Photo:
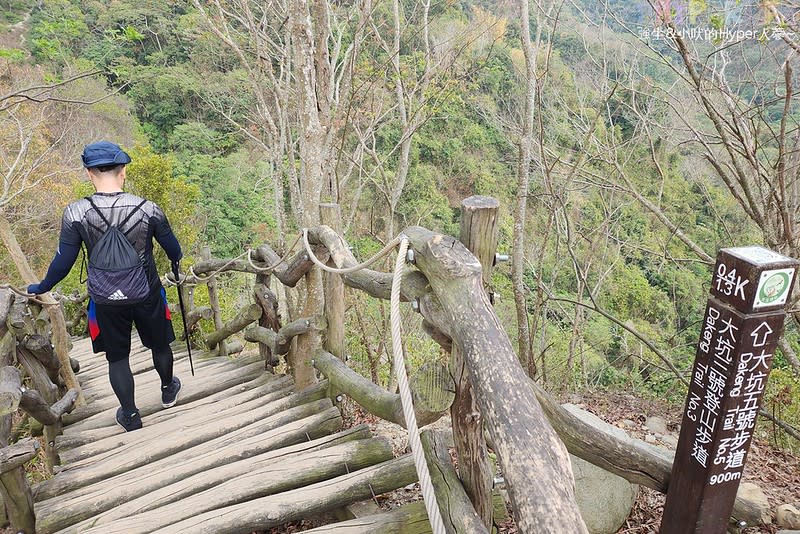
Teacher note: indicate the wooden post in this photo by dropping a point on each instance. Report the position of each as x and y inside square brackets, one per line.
[213, 299]
[479, 235]
[741, 329]
[331, 215]
[193, 314]
[269, 316]
[534, 461]
[14, 488]
[310, 342]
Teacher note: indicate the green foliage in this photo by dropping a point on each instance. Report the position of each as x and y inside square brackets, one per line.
[57, 31]
[12, 54]
[782, 400]
[237, 200]
[13, 11]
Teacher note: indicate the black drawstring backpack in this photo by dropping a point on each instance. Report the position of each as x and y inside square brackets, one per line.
[116, 274]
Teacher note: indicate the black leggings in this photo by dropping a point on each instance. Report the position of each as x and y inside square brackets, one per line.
[121, 377]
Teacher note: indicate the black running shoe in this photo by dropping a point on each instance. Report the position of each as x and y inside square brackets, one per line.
[129, 422]
[169, 393]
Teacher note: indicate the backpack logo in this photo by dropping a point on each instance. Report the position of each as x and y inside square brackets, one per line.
[116, 272]
[117, 295]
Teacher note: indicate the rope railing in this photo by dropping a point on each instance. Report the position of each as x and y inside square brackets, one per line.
[426, 485]
[348, 270]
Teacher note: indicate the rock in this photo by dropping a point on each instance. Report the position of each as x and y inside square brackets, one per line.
[788, 532]
[363, 509]
[650, 438]
[628, 423]
[605, 500]
[670, 440]
[787, 516]
[756, 495]
[656, 425]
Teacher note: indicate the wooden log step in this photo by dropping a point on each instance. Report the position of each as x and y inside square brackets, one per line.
[143, 367]
[100, 387]
[234, 484]
[100, 413]
[149, 398]
[152, 433]
[262, 385]
[151, 407]
[134, 454]
[275, 510]
[94, 365]
[104, 497]
[409, 519]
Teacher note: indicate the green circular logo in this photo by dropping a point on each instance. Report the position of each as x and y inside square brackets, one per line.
[773, 288]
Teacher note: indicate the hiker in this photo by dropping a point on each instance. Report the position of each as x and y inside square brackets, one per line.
[124, 287]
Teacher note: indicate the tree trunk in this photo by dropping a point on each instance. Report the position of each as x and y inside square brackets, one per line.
[330, 215]
[523, 166]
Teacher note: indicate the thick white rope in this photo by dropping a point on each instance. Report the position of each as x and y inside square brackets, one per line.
[405, 395]
[363, 265]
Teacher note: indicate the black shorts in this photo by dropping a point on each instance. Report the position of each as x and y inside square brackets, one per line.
[110, 326]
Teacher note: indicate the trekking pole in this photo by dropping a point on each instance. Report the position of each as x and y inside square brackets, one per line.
[175, 271]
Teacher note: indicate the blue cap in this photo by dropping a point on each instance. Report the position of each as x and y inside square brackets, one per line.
[104, 153]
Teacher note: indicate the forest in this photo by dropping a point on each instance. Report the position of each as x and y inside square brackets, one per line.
[624, 154]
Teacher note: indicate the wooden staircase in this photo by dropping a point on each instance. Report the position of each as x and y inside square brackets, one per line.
[241, 451]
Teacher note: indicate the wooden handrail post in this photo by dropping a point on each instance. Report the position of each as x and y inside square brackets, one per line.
[479, 235]
[310, 342]
[14, 488]
[270, 318]
[333, 287]
[331, 215]
[213, 299]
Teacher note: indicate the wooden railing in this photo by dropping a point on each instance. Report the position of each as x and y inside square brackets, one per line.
[26, 347]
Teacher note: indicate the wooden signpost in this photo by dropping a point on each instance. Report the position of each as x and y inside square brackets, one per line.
[741, 328]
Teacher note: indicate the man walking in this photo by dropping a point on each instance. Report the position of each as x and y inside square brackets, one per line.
[124, 287]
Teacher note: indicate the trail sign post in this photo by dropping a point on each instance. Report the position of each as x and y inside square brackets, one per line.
[741, 328]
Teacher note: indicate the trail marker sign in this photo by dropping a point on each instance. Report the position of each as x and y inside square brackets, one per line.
[740, 331]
